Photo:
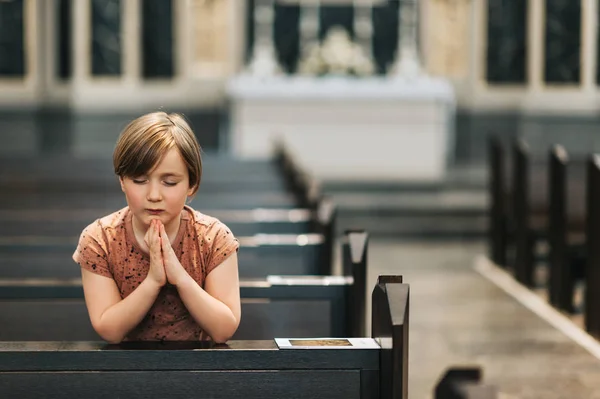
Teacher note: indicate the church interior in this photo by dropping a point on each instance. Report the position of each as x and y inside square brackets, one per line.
[413, 185]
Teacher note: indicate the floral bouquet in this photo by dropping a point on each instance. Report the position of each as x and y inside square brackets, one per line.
[336, 55]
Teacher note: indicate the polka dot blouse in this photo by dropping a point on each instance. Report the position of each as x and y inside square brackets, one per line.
[108, 247]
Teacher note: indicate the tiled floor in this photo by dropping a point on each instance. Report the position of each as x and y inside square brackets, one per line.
[458, 317]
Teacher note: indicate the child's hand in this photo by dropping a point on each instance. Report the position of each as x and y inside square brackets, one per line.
[175, 272]
[157, 268]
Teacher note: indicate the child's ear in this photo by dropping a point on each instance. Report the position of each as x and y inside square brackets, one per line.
[122, 184]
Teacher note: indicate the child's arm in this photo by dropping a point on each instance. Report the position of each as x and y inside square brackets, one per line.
[112, 317]
[216, 308]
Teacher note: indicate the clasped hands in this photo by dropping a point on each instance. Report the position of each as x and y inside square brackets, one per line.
[164, 265]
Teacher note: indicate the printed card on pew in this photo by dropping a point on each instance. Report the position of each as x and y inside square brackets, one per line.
[326, 343]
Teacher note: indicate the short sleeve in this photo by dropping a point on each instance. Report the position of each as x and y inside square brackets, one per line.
[223, 245]
[91, 253]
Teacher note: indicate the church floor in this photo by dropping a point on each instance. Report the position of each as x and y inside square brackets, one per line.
[459, 317]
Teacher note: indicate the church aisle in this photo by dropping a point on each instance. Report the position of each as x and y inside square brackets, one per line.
[458, 317]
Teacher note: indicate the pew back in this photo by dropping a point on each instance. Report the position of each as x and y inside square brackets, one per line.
[239, 369]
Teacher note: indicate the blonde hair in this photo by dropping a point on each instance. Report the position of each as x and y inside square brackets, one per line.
[146, 140]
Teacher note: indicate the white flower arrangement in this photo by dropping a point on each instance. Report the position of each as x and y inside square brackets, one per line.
[337, 55]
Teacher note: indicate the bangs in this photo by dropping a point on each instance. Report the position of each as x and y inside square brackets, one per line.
[147, 139]
[142, 155]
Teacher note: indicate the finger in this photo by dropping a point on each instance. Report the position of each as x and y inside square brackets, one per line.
[163, 237]
[148, 235]
[166, 244]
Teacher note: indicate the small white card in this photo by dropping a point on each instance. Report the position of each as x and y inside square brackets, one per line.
[326, 343]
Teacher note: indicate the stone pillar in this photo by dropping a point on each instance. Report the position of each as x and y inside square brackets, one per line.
[81, 41]
[131, 28]
[446, 37]
[264, 60]
[535, 51]
[213, 27]
[363, 26]
[408, 64]
[310, 12]
[589, 48]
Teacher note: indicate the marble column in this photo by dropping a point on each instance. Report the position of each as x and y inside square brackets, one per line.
[309, 27]
[212, 38]
[264, 60]
[132, 42]
[445, 37]
[408, 63]
[589, 51]
[363, 26]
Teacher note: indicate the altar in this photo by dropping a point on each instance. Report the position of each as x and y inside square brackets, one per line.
[337, 117]
[344, 128]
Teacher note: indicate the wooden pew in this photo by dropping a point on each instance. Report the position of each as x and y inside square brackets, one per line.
[73, 184]
[242, 223]
[259, 256]
[107, 203]
[573, 232]
[520, 217]
[40, 254]
[219, 171]
[464, 383]
[592, 266]
[239, 369]
[70, 175]
[300, 306]
[498, 233]
[566, 228]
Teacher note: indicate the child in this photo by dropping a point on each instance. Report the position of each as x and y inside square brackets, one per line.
[157, 269]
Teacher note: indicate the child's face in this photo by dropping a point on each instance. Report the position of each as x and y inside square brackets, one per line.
[161, 194]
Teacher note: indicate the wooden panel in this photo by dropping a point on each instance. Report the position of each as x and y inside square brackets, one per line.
[185, 384]
[135, 356]
[46, 260]
[68, 320]
[57, 320]
[297, 319]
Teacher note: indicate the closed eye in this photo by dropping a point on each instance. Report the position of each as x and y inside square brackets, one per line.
[139, 181]
[171, 184]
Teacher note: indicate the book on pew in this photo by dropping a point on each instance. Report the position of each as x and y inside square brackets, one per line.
[326, 343]
[308, 280]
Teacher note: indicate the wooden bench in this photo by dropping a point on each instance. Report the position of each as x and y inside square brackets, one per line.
[519, 212]
[239, 369]
[568, 220]
[464, 383]
[566, 228]
[301, 306]
[592, 249]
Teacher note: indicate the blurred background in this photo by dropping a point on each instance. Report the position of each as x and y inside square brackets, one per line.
[81, 69]
[388, 105]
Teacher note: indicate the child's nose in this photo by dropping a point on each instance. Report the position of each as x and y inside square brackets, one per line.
[154, 193]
